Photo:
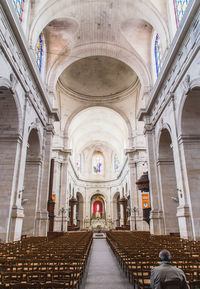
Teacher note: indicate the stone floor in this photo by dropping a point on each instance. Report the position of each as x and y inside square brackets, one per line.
[103, 271]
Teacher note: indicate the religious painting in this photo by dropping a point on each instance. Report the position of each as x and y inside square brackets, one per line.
[116, 163]
[97, 209]
[145, 200]
[158, 54]
[39, 52]
[97, 164]
[78, 163]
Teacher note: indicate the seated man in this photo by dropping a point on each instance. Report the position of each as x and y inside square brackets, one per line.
[166, 272]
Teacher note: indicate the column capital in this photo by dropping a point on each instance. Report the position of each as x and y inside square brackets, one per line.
[148, 128]
[130, 151]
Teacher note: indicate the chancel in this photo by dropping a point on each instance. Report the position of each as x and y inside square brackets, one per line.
[99, 128]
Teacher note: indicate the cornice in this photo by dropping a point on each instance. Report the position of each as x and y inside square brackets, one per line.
[175, 64]
[99, 99]
[10, 16]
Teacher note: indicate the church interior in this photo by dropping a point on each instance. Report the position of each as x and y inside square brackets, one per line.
[99, 142]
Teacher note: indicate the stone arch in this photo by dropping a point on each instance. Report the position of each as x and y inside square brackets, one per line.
[189, 141]
[7, 88]
[30, 196]
[168, 184]
[131, 58]
[98, 198]
[147, 11]
[10, 142]
[116, 209]
[192, 86]
[69, 120]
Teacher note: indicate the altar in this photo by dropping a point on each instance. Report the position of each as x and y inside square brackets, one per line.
[98, 224]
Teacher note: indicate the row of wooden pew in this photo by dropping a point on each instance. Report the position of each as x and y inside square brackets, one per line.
[37, 262]
[137, 253]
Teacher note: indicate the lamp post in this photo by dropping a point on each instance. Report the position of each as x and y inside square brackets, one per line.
[134, 211]
[62, 211]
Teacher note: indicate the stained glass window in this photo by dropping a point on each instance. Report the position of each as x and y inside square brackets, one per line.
[39, 52]
[179, 8]
[116, 163]
[97, 164]
[19, 7]
[158, 52]
[78, 163]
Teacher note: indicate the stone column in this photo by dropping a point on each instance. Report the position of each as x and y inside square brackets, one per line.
[88, 216]
[134, 202]
[190, 215]
[64, 155]
[123, 204]
[10, 147]
[156, 216]
[42, 213]
[17, 209]
[30, 195]
[56, 191]
[183, 210]
[64, 198]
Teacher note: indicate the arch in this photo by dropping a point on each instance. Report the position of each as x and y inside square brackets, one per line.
[193, 88]
[30, 196]
[189, 140]
[116, 209]
[93, 194]
[9, 152]
[146, 11]
[80, 109]
[165, 126]
[131, 58]
[168, 184]
[98, 208]
[34, 142]
[7, 87]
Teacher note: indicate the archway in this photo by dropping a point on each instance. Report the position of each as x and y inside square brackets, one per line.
[168, 184]
[116, 210]
[31, 183]
[190, 141]
[98, 212]
[9, 153]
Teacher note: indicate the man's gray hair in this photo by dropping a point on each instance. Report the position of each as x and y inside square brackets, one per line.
[165, 255]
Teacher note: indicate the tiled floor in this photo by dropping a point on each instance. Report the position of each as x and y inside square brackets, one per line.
[103, 271]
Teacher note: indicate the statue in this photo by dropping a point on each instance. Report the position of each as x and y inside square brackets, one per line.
[98, 214]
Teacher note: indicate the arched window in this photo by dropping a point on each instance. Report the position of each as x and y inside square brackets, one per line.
[116, 163]
[39, 52]
[98, 163]
[179, 9]
[78, 163]
[157, 53]
[19, 7]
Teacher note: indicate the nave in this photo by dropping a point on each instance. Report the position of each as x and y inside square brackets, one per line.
[77, 261]
[103, 271]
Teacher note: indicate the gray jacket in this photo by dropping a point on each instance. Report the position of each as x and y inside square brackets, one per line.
[165, 272]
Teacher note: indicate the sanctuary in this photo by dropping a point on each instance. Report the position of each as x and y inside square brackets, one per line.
[99, 116]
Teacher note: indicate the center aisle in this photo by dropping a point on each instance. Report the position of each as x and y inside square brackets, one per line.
[103, 271]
